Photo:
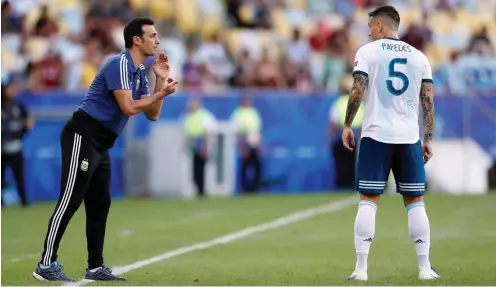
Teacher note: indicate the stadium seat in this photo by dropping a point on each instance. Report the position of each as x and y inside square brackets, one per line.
[210, 24]
[410, 17]
[187, 15]
[297, 4]
[281, 24]
[232, 40]
[473, 22]
[316, 65]
[211, 7]
[162, 10]
[437, 54]
[246, 13]
[360, 15]
[440, 23]
[269, 40]
[37, 48]
[30, 19]
[486, 8]
[11, 43]
[58, 5]
[254, 41]
[88, 73]
[140, 5]
[8, 60]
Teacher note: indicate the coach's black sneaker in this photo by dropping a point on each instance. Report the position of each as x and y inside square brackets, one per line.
[53, 272]
[101, 274]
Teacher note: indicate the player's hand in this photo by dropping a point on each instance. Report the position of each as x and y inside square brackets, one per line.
[161, 66]
[348, 139]
[170, 87]
[427, 151]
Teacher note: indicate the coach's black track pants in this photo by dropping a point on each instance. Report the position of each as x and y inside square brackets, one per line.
[85, 177]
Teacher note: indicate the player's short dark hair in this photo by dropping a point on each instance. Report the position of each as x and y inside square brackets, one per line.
[388, 12]
[135, 28]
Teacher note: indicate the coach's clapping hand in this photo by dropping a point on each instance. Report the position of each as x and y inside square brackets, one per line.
[170, 87]
[161, 66]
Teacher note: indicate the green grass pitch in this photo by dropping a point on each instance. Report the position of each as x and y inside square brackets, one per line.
[315, 251]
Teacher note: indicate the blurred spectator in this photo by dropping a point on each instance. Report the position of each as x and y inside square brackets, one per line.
[372, 3]
[248, 125]
[199, 123]
[192, 72]
[243, 74]
[214, 55]
[51, 71]
[101, 9]
[93, 56]
[263, 15]
[85, 33]
[344, 160]
[446, 5]
[295, 61]
[418, 35]
[72, 53]
[338, 58]
[11, 23]
[297, 50]
[45, 26]
[16, 121]
[30, 80]
[318, 39]
[480, 43]
[267, 74]
[303, 80]
[233, 13]
[124, 11]
[491, 175]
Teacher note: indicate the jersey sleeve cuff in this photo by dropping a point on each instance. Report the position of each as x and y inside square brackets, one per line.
[427, 81]
[360, 72]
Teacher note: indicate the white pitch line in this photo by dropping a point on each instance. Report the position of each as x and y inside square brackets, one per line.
[282, 221]
[23, 257]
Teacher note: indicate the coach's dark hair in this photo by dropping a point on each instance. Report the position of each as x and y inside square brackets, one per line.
[388, 12]
[135, 28]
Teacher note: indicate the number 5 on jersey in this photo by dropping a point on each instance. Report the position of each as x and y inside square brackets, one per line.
[392, 73]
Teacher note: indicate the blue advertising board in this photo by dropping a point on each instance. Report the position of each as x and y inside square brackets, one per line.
[296, 152]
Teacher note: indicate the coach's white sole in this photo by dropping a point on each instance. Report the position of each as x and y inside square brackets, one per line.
[38, 277]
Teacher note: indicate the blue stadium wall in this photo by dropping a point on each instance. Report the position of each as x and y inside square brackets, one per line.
[296, 148]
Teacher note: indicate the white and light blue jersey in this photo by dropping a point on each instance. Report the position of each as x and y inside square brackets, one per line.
[395, 71]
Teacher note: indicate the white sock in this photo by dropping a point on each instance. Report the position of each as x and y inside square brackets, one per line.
[364, 232]
[419, 227]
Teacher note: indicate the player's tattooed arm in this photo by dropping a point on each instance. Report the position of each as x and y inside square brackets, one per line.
[427, 99]
[360, 83]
